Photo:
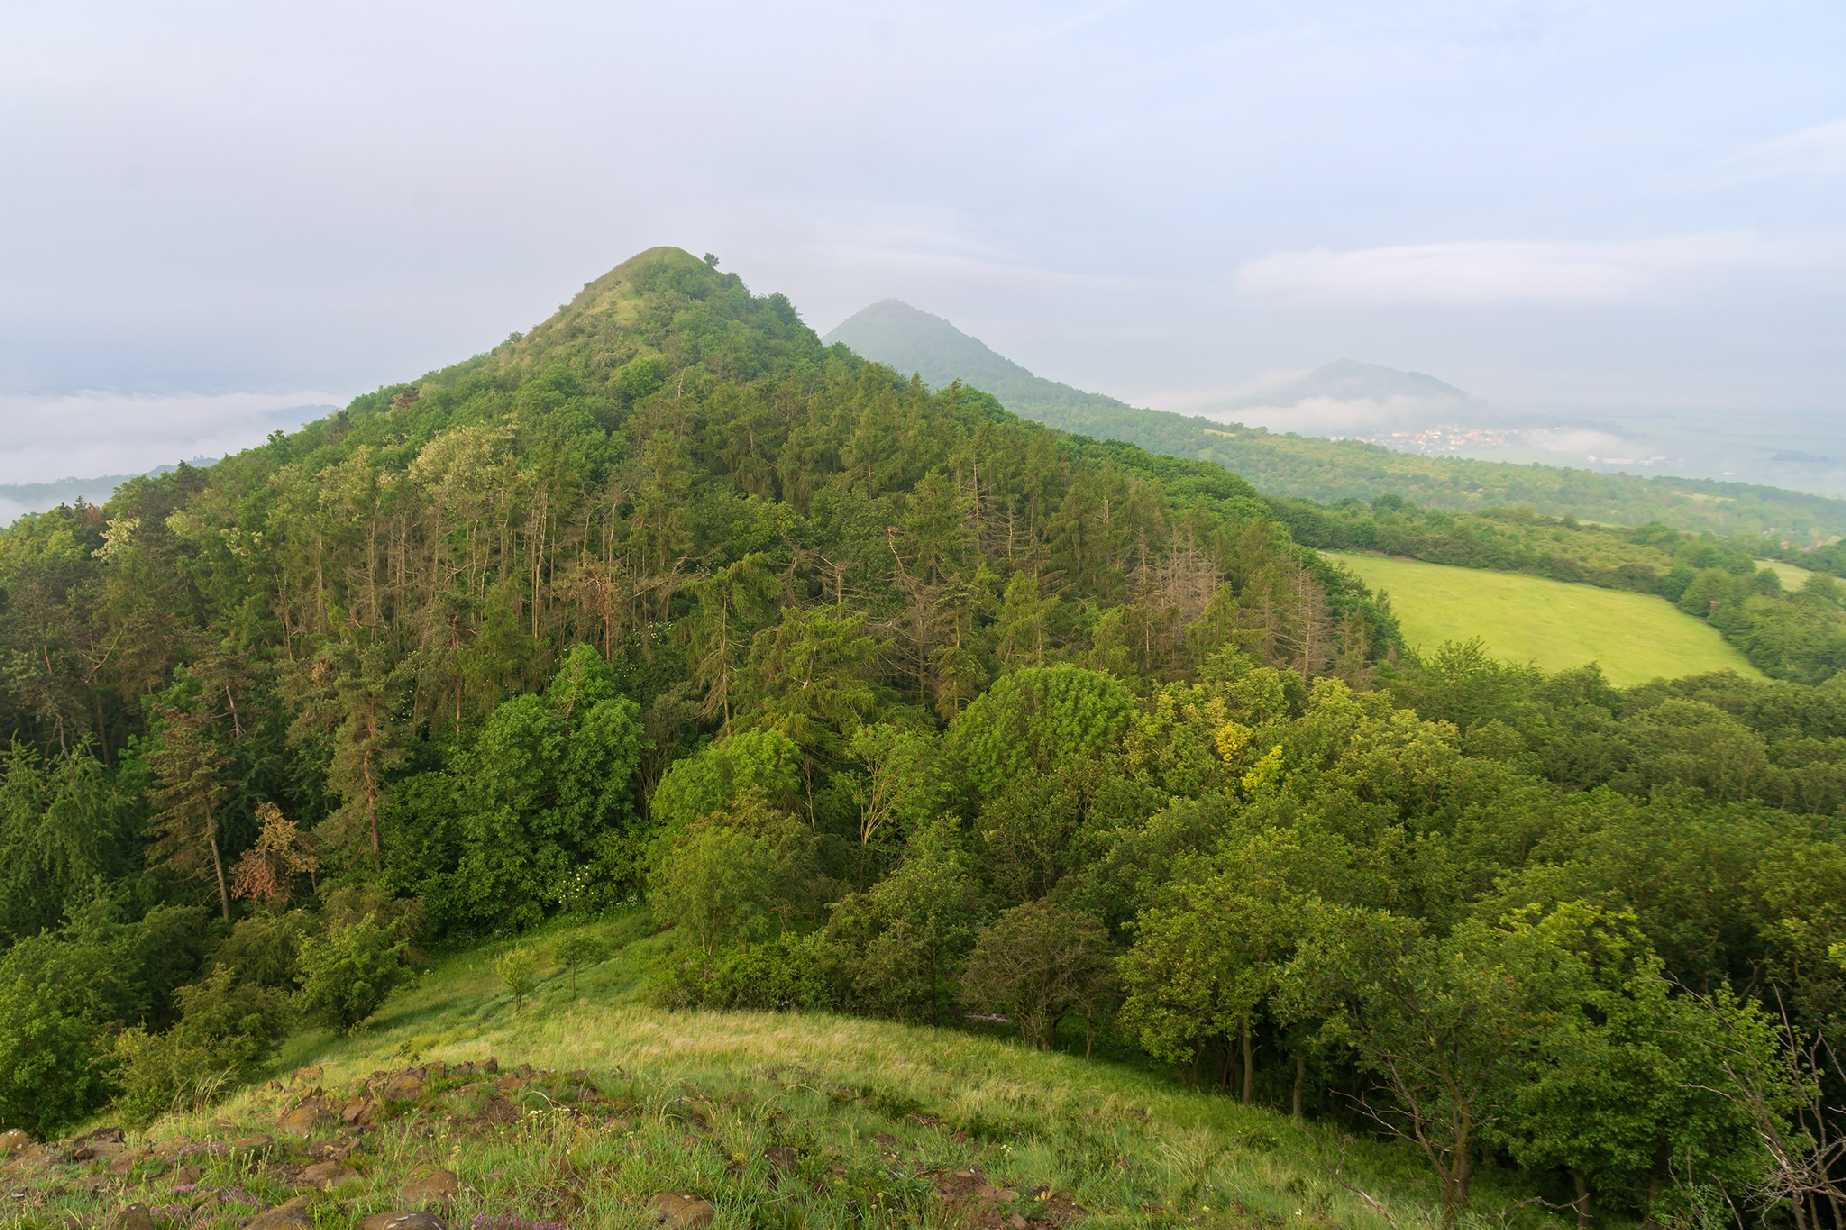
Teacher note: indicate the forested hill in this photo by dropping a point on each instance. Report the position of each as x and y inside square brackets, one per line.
[757, 530]
[889, 703]
[1330, 471]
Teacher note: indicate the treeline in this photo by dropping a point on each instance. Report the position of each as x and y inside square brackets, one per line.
[1798, 635]
[891, 703]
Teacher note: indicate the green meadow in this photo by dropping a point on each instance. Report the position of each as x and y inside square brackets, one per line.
[630, 1115]
[1551, 624]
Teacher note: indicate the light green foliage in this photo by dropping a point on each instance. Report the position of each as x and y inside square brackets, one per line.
[725, 878]
[1037, 963]
[1613, 1071]
[901, 781]
[547, 787]
[1210, 955]
[1034, 719]
[347, 974]
[1557, 626]
[578, 950]
[765, 761]
[518, 971]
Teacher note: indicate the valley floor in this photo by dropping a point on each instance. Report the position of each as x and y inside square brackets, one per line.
[632, 1116]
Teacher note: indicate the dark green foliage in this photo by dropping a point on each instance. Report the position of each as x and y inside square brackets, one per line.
[227, 1030]
[346, 974]
[896, 946]
[265, 949]
[63, 992]
[1036, 964]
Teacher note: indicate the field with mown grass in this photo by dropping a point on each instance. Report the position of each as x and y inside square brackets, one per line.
[1792, 576]
[1553, 624]
[634, 1116]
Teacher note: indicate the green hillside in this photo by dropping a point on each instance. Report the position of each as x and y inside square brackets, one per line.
[1551, 624]
[1329, 471]
[1024, 823]
[773, 1120]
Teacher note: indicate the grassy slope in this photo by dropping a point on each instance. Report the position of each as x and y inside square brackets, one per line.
[1792, 576]
[1636, 637]
[881, 1118]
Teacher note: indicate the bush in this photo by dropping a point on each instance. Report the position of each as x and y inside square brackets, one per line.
[347, 974]
[786, 975]
[227, 1030]
[578, 951]
[517, 969]
[1036, 964]
[265, 949]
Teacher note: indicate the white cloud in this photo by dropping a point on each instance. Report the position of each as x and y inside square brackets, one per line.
[1816, 151]
[1509, 271]
[86, 434]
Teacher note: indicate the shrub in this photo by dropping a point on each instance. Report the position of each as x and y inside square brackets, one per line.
[346, 975]
[227, 1030]
[786, 975]
[265, 949]
[1035, 964]
[580, 950]
[517, 969]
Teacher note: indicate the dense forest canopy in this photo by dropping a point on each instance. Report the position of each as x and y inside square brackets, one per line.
[888, 701]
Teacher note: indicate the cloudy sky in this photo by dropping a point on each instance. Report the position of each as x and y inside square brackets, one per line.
[216, 207]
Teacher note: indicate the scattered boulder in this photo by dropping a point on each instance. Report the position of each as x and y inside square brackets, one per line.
[306, 1119]
[292, 1215]
[430, 1185]
[782, 1158]
[360, 1112]
[402, 1221]
[103, 1142]
[405, 1086]
[134, 1217]
[126, 1161]
[327, 1174]
[673, 1209]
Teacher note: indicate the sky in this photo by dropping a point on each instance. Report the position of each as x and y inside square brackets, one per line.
[218, 208]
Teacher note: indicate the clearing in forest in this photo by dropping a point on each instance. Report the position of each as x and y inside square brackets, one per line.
[1552, 624]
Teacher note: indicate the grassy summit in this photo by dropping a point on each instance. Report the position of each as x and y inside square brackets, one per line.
[627, 1112]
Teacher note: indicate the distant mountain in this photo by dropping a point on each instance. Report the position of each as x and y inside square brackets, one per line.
[18, 499]
[1310, 468]
[1350, 380]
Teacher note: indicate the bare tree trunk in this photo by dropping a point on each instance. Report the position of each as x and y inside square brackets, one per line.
[224, 893]
[1249, 1062]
